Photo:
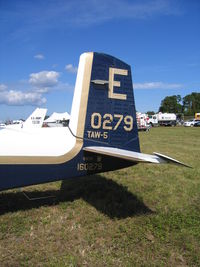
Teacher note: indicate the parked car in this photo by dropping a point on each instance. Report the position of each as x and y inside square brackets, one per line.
[197, 124]
[190, 123]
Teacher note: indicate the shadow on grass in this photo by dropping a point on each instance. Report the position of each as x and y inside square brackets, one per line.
[107, 196]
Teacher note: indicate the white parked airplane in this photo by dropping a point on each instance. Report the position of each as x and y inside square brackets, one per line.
[101, 136]
[35, 120]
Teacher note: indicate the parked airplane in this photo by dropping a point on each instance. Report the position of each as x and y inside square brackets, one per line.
[35, 120]
[101, 136]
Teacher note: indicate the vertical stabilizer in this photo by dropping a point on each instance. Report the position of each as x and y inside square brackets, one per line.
[111, 112]
[35, 120]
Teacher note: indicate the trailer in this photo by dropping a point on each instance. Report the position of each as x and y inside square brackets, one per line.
[166, 119]
[162, 119]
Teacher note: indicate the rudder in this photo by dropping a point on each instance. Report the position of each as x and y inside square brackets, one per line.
[111, 114]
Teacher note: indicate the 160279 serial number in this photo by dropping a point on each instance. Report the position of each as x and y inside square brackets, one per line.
[92, 166]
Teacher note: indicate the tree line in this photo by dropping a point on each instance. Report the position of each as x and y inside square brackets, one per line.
[188, 105]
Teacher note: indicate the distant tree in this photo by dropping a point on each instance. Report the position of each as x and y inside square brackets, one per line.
[150, 112]
[171, 104]
[191, 103]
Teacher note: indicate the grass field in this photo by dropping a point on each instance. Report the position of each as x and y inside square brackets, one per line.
[145, 215]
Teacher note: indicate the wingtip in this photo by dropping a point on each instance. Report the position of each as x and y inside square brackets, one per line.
[171, 160]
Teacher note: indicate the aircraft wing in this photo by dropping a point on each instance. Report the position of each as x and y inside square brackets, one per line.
[132, 156]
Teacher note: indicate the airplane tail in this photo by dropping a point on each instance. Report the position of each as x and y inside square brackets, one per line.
[103, 116]
[35, 120]
[104, 97]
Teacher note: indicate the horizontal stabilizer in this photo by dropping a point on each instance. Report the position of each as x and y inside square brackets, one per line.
[132, 156]
[170, 160]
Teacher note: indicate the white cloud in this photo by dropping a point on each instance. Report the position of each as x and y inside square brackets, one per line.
[3, 87]
[71, 68]
[14, 97]
[32, 91]
[156, 85]
[39, 56]
[44, 80]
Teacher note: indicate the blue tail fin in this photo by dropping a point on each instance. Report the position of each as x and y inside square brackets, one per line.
[111, 114]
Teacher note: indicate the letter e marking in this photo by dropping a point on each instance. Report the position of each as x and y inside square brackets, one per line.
[112, 83]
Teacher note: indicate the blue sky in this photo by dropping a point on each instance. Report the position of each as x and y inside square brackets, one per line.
[41, 41]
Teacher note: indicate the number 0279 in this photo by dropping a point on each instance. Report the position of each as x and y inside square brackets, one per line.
[105, 122]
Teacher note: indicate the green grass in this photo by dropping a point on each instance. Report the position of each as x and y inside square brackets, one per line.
[147, 215]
